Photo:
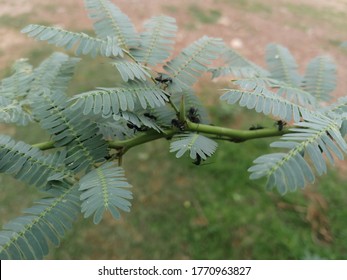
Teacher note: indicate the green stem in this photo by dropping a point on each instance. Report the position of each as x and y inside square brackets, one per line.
[217, 132]
[236, 135]
[149, 136]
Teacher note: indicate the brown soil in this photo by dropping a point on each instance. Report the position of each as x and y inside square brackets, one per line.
[246, 25]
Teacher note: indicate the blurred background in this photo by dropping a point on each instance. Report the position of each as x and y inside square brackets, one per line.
[183, 211]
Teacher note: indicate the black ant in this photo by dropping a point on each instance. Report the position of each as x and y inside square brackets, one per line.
[135, 127]
[141, 128]
[280, 124]
[193, 115]
[150, 116]
[198, 160]
[256, 127]
[179, 124]
[160, 79]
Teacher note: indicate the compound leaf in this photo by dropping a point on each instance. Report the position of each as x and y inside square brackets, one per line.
[13, 93]
[254, 95]
[54, 74]
[156, 40]
[191, 62]
[83, 43]
[238, 66]
[105, 188]
[282, 65]
[195, 144]
[320, 77]
[13, 111]
[315, 137]
[85, 145]
[110, 21]
[130, 70]
[27, 237]
[108, 101]
[29, 164]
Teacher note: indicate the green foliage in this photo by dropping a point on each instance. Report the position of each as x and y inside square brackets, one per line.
[104, 188]
[288, 171]
[27, 237]
[282, 65]
[259, 97]
[320, 78]
[198, 146]
[84, 44]
[92, 131]
[109, 21]
[317, 132]
[29, 164]
[191, 62]
[157, 41]
[112, 101]
[13, 91]
[237, 66]
[130, 70]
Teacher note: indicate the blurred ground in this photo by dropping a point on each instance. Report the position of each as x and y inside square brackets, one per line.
[307, 27]
[225, 215]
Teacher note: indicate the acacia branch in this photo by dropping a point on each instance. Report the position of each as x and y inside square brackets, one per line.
[236, 135]
[217, 132]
